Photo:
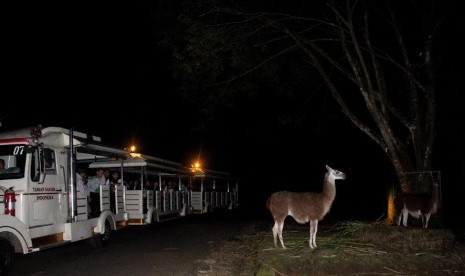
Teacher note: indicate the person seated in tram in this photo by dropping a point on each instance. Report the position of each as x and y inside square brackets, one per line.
[148, 185]
[135, 185]
[93, 185]
[2, 165]
[156, 187]
[81, 182]
[114, 181]
[107, 174]
[81, 186]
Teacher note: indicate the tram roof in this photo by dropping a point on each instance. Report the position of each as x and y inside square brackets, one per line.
[94, 151]
[154, 163]
[212, 174]
[52, 135]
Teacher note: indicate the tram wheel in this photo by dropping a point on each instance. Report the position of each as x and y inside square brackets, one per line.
[101, 239]
[154, 221]
[106, 236]
[7, 254]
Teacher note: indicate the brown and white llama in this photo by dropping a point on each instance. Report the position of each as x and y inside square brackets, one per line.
[417, 205]
[303, 207]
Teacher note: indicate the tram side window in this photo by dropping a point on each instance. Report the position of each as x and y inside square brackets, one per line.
[35, 171]
[50, 164]
[49, 158]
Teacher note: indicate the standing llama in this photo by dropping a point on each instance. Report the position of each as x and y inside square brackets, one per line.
[417, 205]
[303, 207]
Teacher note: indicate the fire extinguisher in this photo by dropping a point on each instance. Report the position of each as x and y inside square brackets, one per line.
[10, 199]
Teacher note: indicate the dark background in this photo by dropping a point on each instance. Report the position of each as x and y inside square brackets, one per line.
[98, 67]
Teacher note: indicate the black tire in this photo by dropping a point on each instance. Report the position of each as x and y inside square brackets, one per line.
[154, 221]
[102, 239]
[7, 256]
[106, 236]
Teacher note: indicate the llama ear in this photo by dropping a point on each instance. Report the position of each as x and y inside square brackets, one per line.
[328, 168]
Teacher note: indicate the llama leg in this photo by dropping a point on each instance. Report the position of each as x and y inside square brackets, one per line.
[314, 233]
[280, 233]
[275, 233]
[311, 235]
[313, 230]
[404, 217]
[425, 220]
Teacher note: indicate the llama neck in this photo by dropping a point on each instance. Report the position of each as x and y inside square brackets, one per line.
[329, 187]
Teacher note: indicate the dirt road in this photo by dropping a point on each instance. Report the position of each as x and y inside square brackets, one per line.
[233, 244]
[170, 248]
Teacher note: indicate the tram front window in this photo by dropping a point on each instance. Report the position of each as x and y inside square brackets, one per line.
[13, 160]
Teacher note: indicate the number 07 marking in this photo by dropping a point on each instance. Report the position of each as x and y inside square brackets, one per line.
[18, 150]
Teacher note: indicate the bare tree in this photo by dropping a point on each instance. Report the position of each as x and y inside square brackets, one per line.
[376, 59]
[401, 122]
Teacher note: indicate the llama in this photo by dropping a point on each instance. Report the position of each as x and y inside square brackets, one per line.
[417, 205]
[303, 207]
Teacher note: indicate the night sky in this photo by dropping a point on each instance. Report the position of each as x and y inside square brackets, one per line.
[98, 67]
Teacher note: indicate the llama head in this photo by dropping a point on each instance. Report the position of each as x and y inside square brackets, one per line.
[335, 173]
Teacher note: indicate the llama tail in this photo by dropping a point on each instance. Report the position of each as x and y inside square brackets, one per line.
[268, 201]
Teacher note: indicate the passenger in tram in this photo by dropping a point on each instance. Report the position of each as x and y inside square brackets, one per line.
[184, 188]
[2, 165]
[128, 184]
[171, 185]
[148, 185]
[81, 185]
[114, 181]
[135, 185]
[93, 185]
[194, 187]
[81, 182]
[184, 193]
[156, 187]
[163, 192]
[106, 173]
[164, 186]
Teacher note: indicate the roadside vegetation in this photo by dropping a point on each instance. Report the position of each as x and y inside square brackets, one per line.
[347, 248]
